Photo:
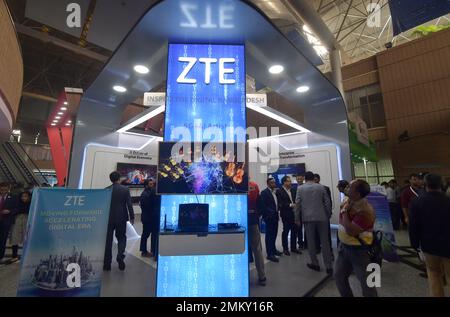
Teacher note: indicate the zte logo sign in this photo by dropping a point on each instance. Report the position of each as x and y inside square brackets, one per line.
[208, 64]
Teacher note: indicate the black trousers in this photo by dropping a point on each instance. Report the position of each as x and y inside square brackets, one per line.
[329, 239]
[147, 230]
[301, 238]
[271, 236]
[4, 232]
[396, 215]
[120, 230]
[289, 226]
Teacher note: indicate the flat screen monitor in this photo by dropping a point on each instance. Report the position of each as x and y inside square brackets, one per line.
[291, 170]
[193, 217]
[202, 168]
[135, 174]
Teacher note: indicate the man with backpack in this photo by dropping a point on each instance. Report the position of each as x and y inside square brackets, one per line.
[356, 223]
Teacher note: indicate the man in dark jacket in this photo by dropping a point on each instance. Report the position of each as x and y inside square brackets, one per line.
[8, 207]
[121, 211]
[150, 205]
[254, 235]
[429, 230]
[327, 189]
[268, 205]
[286, 201]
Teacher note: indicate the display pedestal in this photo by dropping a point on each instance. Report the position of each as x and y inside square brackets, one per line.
[230, 241]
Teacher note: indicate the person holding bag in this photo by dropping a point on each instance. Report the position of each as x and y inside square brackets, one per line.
[356, 224]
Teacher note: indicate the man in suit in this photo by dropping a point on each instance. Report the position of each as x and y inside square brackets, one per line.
[8, 208]
[269, 207]
[286, 201]
[301, 237]
[254, 235]
[121, 211]
[150, 205]
[317, 180]
[314, 206]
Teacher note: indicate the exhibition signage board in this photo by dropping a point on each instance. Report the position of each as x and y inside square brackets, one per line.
[205, 102]
[65, 243]
[383, 223]
[155, 99]
[158, 99]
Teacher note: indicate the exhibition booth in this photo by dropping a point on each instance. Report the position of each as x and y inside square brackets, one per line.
[200, 67]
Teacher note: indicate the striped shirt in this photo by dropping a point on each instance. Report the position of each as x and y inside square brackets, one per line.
[362, 215]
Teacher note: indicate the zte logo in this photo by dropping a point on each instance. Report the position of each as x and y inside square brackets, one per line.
[74, 201]
[208, 62]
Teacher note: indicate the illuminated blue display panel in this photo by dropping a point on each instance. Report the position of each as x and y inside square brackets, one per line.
[205, 89]
[209, 275]
[205, 102]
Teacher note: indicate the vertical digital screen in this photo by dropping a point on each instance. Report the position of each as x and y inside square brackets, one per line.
[205, 103]
[207, 275]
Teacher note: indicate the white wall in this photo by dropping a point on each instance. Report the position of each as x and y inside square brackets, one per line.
[321, 160]
[100, 161]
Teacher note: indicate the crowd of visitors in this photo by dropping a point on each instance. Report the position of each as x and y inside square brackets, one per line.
[304, 207]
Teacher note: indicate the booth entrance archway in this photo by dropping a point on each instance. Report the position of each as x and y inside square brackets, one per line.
[313, 119]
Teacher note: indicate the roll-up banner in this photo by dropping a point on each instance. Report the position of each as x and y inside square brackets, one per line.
[383, 223]
[65, 243]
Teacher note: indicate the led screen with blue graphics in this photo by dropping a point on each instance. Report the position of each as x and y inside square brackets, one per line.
[205, 100]
[208, 275]
[205, 89]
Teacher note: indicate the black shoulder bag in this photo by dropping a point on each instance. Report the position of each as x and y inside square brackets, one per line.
[375, 250]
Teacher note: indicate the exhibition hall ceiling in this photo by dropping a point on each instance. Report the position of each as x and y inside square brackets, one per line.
[348, 21]
[56, 56]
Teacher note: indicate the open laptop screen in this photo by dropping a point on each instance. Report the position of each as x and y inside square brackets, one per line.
[193, 217]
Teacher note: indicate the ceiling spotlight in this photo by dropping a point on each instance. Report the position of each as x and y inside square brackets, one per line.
[53, 124]
[60, 113]
[63, 108]
[67, 124]
[119, 88]
[58, 117]
[276, 69]
[65, 102]
[70, 121]
[141, 69]
[302, 89]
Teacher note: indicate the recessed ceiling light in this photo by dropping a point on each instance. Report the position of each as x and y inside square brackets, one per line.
[302, 89]
[53, 124]
[65, 102]
[119, 88]
[141, 69]
[67, 124]
[63, 108]
[58, 117]
[276, 69]
[60, 113]
[70, 121]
